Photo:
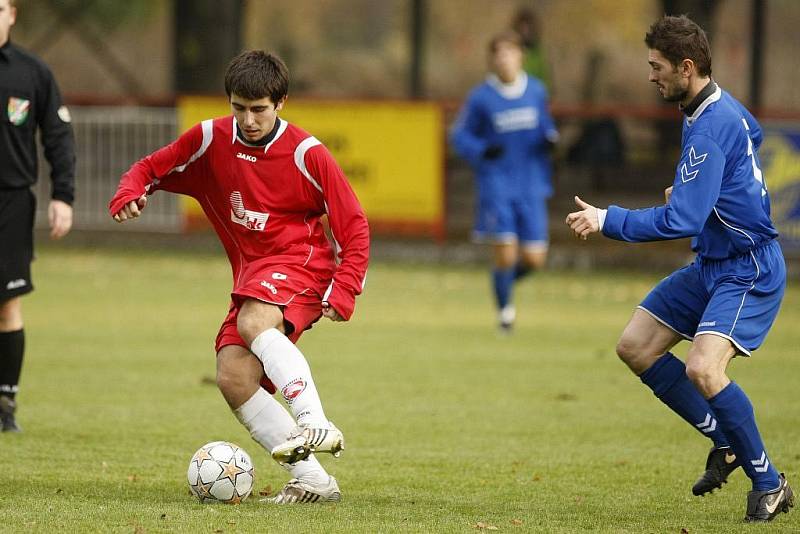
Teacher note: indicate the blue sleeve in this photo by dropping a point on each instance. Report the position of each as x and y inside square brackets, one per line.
[753, 128]
[548, 125]
[466, 132]
[696, 188]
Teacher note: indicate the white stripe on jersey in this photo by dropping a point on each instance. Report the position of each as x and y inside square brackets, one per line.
[281, 128]
[208, 135]
[300, 158]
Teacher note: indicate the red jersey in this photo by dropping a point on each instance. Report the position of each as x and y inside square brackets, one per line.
[265, 202]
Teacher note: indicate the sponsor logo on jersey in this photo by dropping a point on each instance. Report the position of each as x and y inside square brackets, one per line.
[17, 110]
[512, 120]
[294, 388]
[16, 284]
[252, 220]
[269, 286]
[248, 157]
[279, 276]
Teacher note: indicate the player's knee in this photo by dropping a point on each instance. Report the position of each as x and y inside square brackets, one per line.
[627, 350]
[255, 317]
[700, 373]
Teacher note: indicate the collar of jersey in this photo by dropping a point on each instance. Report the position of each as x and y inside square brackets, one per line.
[716, 95]
[282, 125]
[511, 90]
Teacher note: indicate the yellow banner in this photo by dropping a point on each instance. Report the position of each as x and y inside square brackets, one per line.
[392, 152]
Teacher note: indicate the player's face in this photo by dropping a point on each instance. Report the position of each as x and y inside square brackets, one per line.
[255, 118]
[8, 16]
[507, 61]
[673, 86]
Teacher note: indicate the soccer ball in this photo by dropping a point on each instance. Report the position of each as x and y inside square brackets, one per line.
[221, 471]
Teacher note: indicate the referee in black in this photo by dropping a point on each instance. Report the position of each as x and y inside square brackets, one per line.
[29, 100]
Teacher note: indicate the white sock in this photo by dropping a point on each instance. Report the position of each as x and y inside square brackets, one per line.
[288, 369]
[270, 424]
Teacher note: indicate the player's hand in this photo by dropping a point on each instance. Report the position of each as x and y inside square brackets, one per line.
[329, 312]
[585, 221]
[59, 215]
[132, 209]
[667, 194]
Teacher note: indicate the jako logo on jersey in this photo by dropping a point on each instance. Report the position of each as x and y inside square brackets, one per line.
[269, 286]
[294, 388]
[248, 157]
[252, 220]
[278, 276]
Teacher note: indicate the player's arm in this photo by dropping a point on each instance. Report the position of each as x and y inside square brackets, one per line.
[465, 134]
[172, 168]
[547, 133]
[59, 150]
[350, 231]
[694, 193]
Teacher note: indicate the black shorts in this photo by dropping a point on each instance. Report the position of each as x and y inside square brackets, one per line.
[17, 211]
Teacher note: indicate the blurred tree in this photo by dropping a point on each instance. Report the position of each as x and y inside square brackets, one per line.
[208, 33]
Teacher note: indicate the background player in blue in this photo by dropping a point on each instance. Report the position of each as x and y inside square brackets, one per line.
[505, 132]
[726, 300]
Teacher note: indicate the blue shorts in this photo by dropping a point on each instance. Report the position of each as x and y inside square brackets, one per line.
[735, 298]
[511, 221]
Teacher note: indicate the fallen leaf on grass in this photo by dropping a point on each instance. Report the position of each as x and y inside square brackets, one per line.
[163, 516]
[59, 490]
[265, 491]
[684, 531]
[480, 525]
[516, 521]
[133, 478]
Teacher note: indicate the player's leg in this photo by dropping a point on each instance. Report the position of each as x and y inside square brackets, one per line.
[260, 325]
[238, 377]
[706, 363]
[504, 256]
[746, 296]
[17, 210]
[532, 229]
[669, 313]
[12, 349]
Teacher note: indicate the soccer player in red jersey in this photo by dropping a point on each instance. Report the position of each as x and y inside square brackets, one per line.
[265, 184]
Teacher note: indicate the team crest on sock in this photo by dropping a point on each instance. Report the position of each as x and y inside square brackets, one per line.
[294, 388]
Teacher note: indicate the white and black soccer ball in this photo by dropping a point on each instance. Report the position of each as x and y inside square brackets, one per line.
[221, 471]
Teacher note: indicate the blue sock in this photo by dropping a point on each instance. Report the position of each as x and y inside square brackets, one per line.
[736, 417]
[503, 281]
[667, 378]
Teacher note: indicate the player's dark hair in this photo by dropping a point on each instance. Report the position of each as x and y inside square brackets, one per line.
[255, 74]
[508, 36]
[679, 38]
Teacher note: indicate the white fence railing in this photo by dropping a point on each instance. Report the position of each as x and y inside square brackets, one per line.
[108, 141]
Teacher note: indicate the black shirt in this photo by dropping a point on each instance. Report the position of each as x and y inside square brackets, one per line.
[29, 98]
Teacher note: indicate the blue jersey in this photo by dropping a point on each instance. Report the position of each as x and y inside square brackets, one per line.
[514, 118]
[719, 195]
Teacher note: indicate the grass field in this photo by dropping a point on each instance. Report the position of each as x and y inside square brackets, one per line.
[449, 427]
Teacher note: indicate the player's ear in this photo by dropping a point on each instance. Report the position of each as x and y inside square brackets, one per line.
[281, 102]
[687, 67]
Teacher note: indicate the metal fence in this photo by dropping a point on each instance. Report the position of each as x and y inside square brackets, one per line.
[108, 140]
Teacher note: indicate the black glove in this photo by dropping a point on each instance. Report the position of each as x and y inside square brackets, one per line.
[493, 152]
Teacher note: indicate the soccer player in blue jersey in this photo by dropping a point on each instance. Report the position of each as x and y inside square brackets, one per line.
[506, 133]
[726, 300]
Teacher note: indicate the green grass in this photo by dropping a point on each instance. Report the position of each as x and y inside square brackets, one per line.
[448, 426]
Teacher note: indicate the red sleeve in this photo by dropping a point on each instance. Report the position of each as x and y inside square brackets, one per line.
[171, 168]
[349, 228]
